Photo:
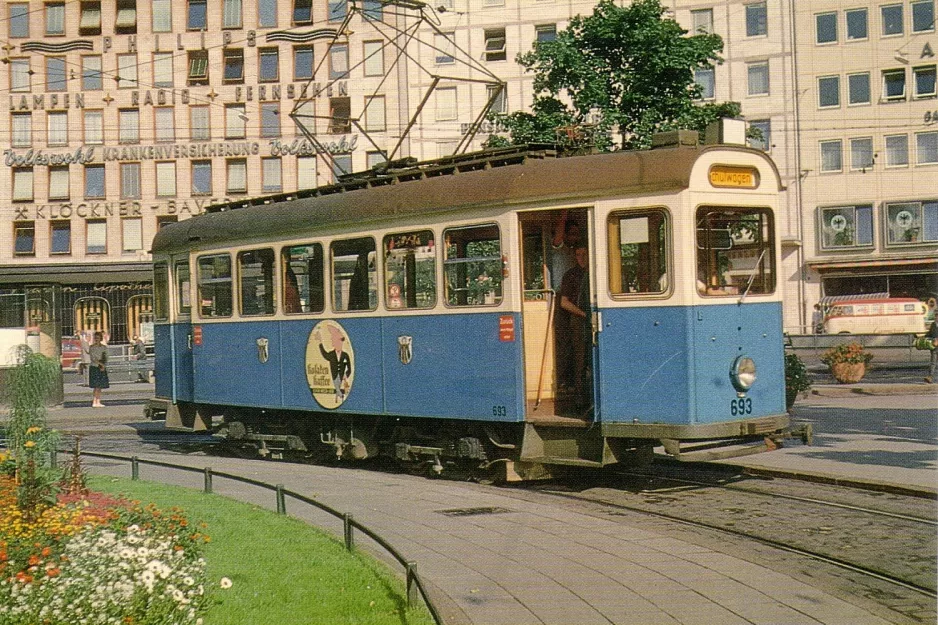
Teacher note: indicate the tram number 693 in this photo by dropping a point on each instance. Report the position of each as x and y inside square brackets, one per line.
[741, 406]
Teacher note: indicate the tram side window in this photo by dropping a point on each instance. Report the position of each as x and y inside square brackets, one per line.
[354, 276]
[638, 253]
[303, 284]
[473, 266]
[410, 269]
[215, 286]
[160, 292]
[735, 251]
[256, 282]
[183, 289]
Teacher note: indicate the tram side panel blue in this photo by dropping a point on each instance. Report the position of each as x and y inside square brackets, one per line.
[643, 365]
[459, 368]
[173, 361]
[228, 369]
[721, 333]
[163, 361]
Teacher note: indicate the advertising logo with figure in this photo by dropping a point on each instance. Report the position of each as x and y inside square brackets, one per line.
[330, 364]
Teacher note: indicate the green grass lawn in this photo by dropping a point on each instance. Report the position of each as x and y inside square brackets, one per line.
[284, 571]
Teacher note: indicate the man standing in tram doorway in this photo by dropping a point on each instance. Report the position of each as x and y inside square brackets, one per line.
[575, 301]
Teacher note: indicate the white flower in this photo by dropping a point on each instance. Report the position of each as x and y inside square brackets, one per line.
[225, 583]
[188, 581]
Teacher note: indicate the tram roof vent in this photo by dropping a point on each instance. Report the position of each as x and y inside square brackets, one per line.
[674, 138]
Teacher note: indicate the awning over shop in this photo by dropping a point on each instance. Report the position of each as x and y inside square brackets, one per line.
[833, 299]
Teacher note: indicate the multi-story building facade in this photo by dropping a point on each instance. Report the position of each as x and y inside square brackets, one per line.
[124, 115]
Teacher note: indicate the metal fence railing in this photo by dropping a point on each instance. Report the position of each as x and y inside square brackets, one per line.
[414, 584]
[887, 348]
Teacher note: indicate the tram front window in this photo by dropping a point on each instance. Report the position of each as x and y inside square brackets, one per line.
[735, 251]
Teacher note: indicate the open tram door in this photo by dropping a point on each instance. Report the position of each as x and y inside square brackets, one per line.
[558, 340]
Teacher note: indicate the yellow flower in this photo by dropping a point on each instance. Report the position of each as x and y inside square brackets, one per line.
[33, 430]
[29, 444]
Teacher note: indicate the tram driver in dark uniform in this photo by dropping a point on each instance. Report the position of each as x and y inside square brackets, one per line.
[574, 301]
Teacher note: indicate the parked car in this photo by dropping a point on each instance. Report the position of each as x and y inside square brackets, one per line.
[71, 352]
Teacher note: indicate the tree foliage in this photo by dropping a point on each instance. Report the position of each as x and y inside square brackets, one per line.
[624, 73]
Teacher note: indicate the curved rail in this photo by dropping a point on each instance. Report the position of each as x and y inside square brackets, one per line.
[414, 583]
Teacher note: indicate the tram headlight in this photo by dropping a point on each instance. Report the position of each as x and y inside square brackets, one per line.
[743, 373]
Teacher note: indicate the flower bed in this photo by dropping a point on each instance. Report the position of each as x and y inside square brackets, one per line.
[95, 559]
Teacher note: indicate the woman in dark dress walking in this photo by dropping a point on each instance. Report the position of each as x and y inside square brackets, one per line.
[97, 373]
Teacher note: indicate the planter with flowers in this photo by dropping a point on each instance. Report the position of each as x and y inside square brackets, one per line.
[847, 362]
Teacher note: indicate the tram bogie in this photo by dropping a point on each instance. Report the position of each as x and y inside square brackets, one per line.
[541, 312]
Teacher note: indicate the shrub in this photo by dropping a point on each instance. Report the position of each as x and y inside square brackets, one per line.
[796, 374]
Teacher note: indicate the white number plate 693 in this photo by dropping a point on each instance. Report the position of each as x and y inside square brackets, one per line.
[741, 406]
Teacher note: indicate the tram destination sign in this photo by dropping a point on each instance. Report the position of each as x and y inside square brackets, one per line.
[735, 177]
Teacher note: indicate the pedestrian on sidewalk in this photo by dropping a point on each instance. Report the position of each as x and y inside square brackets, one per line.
[97, 373]
[933, 365]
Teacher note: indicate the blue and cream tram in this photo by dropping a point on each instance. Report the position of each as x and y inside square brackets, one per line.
[415, 312]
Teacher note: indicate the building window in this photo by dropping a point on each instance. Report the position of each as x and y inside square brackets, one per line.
[340, 112]
[846, 226]
[857, 24]
[894, 84]
[702, 21]
[91, 73]
[131, 234]
[495, 44]
[859, 87]
[19, 20]
[127, 71]
[198, 67]
[20, 75]
[162, 16]
[923, 16]
[130, 181]
[756, 20]
[764, 141]
[266, 13]
[129, 126]
[55, 19]
[306, 172]
[90, 21]
[758, 78]
[828, 89]
[268, 69]
[497, 95]
[304, 117]
[444, 48]
[892, 19]
[338, 61]
[197, 17]
[24, 238]
[912, 222]
[60, 237]
[55, 73]
[337, 10]
[825, 28]
[302, 11]
[126, 21]
[861, 153]
[237, 174]
[705, 79]
[924, 78]
[231, 13]
[303, 63]
[235, 121]
[57, 128]
[375, 115]
[199, 128]
[831, 156]
[446, 104]
[897, 151]
[341, 165]
[545, 32]
[93, 127]
[493, 3]
[94, 181]
[21, 126]
[201, 177]
[926, 148]
[270, 119]
[271, 176]
[96, 236]
[166, 179]
[373, 58]
[164, 121]
[22, 184]
[234, 65]
[59, 183]
[163, 69]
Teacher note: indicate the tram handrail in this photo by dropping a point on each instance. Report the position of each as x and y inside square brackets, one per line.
[412, 578]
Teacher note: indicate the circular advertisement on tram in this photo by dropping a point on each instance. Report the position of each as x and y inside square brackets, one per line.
[330, 364]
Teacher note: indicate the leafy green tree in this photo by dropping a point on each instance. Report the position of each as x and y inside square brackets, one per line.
[623, 70]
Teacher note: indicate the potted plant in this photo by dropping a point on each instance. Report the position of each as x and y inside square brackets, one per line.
[796, 379]
[847, 362]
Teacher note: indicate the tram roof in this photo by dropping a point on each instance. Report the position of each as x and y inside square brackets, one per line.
[533, 177]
